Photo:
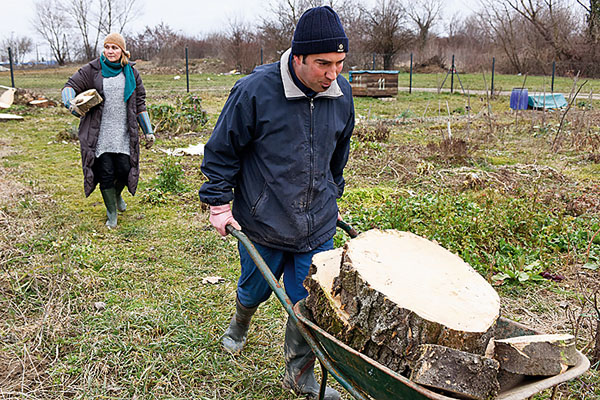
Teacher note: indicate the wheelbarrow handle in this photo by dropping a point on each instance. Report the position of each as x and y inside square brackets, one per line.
[347, 228]
[288, 306]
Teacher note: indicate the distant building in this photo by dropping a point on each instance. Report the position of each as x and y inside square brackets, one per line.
[374, 83]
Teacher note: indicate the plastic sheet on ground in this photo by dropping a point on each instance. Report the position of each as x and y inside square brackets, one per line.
[549, 101]
[192, 150]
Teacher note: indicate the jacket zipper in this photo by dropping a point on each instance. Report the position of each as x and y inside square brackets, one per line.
[311, 175]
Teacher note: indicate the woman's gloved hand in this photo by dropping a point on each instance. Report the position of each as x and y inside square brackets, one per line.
[220, 217]
[149, 140]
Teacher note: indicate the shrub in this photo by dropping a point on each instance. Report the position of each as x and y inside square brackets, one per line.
[169, 180]
[170, 176]
[187, 115]
[378, 132]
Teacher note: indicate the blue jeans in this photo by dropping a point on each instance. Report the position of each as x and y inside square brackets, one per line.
[252, 287]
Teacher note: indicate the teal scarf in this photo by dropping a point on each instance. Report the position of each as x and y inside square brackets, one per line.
[111, 69]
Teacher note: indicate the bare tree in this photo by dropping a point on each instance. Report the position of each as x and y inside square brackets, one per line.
[551, 19]
[503, 24]
[159, 42]
[114, 15]
[383, 29]
[241, 48]
[592, 18]
[81, 13]
[19, 46]
[424, 14]
[532, 33]
[277, 29]
[52, 24]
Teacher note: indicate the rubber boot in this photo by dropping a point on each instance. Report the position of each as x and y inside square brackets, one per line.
[299, 366]
[235, 336]
[121, 205]
[110, 201]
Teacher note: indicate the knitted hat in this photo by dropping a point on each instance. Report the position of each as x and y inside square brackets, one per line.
[116, 38]
[319, 30]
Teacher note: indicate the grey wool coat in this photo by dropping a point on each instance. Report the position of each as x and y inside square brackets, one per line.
[90, 77]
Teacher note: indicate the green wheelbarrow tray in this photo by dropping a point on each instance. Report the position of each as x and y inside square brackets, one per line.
[365, 378]
[380, 382]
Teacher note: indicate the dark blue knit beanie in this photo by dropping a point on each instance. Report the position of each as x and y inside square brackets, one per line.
[319, 30]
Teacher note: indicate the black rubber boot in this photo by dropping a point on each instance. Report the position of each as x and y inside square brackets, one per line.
[110, 201]
[299, 366]
[121, 205]
[235, 336]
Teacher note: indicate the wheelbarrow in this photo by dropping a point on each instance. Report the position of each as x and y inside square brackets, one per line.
[363, 377]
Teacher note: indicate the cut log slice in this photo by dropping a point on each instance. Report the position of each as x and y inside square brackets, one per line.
[86, 100]
[537, 355]
[42, 103]
[392, 291]
[10, 117]
[458, 372]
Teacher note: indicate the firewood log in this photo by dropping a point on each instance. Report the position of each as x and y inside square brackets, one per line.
[538, 355]
[458, 372]
[387, 292]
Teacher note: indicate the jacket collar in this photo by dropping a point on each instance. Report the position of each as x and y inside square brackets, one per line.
[292, 91]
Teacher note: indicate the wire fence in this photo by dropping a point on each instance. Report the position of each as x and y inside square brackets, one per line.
[448, 70]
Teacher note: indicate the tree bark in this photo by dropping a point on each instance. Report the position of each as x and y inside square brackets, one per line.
[387, 292]
[458, 372]
[537, 355]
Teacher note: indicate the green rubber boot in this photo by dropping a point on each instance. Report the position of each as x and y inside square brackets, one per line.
[235, 336]
[299, 366]
[121, 205]
[110, 201]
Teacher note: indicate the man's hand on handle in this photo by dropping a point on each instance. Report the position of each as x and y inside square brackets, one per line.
[220, 217]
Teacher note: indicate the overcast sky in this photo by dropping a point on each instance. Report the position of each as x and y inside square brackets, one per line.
[192, 17]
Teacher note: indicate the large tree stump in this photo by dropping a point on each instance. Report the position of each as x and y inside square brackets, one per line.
[387, 292]
[538, 355]
[458, 372]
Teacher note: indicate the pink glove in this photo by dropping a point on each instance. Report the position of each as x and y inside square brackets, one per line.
[220, 217]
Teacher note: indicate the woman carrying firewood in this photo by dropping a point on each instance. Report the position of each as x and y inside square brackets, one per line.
[108, 131]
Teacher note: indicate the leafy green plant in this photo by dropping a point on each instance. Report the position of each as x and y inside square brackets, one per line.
[518, 273]
[186, 115]
[170, 176]
[513, 238]
[169, 180]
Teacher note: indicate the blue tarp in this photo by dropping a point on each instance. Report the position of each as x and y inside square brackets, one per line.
[549, 101]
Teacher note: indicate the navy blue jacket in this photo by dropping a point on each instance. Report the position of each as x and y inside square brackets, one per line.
[279, 156]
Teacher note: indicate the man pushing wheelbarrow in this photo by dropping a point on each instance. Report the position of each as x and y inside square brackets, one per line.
[278, 151]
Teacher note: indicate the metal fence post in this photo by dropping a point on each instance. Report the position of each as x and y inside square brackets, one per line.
[187, 70]
[493, 69]
[12, 76]
[553, 72]
[411, 69]
[261, 56]
[452, 76]
[373, 61]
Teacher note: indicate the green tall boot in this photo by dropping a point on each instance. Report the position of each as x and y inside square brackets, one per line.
[299, 366]
[110, 201]
[121, 205]
[235, 336]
